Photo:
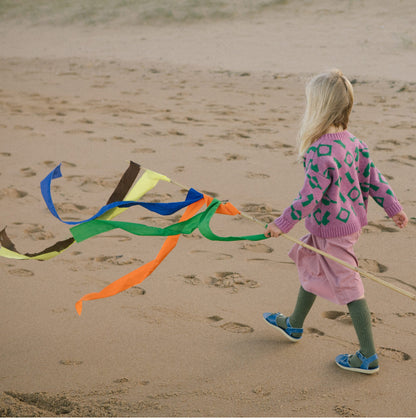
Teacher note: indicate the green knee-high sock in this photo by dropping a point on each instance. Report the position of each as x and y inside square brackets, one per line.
[302, 308]
[361, 318]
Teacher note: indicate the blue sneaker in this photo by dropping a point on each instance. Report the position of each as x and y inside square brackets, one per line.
[343, 361]
[271, 319]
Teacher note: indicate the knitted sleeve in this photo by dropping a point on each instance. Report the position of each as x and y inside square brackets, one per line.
[378, 188]
[313, 189]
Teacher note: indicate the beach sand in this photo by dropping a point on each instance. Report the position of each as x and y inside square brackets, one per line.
[213, 103]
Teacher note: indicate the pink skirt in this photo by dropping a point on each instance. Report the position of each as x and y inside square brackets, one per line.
[327, 278]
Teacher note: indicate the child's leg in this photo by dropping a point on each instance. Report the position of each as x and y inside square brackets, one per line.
[302, 308]
[361, 319]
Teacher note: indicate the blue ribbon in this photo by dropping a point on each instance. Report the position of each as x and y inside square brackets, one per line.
[160, 208]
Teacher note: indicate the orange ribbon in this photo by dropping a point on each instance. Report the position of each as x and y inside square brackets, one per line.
[139, 275]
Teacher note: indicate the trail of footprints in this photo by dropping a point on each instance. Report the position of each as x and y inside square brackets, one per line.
[232, 281]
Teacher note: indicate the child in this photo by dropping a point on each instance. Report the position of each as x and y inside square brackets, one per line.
[339, 178]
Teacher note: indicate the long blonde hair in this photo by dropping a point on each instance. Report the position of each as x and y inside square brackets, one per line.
[329, 100]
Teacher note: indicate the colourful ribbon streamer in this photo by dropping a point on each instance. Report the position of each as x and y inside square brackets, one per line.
[8, 249]
[137, 276]
[146, 182]
[201, 221]
[160, 208]
[119, 201]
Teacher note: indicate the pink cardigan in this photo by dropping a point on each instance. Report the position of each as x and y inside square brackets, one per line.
[339, 178]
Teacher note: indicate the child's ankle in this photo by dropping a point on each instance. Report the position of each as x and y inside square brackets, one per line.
[293, 324]
[356, 362]
[281, 321]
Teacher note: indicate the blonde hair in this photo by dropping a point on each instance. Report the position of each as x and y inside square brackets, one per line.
[329, 100]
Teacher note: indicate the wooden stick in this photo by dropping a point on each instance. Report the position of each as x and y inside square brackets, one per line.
[342, 262]
[323, 253]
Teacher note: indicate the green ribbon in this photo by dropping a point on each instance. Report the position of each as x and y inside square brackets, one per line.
[201, 221]
[206, 231]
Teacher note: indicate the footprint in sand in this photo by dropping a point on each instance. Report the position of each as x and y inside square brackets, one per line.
[256, 176]
[21, 272]
[405, 314]
[261, 391]
[123, 140]
[231, 280]
[154, 133]
[119, 238]
[116, 260]
[23, 128]
[261, 211]
[394, 142]
[37, 232]
[50, 163]
[225, 280]
[85, 120]
[157, 221]
[69, 207]
[179, 133]
[401, 160]
[96, 184]
[68, 164]
[100, 85]
[340, 316]
[192, 279]
[345, 318]
[97, 139]
[257, 248]
[376, 227]
[266, 260]
[27, 172]
[143, 151]
[78, 131]
[393, 353]
[71, 362]
[135, 291]
[213, 159]
[121, 380]
[234, 157]
[371, 265]
[11, 192]
[257, 208]
[59, 310]
[235, 327]
[276, 145]
[158, 197]
[346, 411]
[315, 331]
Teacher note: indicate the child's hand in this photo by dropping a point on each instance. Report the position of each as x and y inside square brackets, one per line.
[400, 219]
[272, 230]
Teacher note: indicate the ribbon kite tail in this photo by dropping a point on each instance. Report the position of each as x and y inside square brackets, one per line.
[139, 275]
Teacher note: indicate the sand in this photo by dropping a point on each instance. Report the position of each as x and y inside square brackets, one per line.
[213, 104]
